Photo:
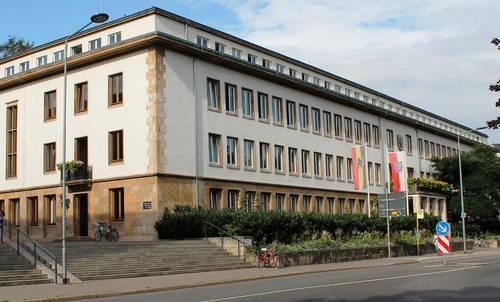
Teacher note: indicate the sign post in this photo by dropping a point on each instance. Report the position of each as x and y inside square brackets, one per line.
[420, 215]
[443, 240]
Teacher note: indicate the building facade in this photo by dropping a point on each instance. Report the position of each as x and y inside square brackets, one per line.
[163, 111]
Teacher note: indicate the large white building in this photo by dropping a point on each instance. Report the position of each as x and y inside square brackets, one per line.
[163, 110]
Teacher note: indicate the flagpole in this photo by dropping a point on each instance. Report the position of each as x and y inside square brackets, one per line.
[406, 189]
[367, 180]
[387, 191]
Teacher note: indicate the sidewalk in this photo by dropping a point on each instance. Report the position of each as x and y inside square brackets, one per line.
[116, 287]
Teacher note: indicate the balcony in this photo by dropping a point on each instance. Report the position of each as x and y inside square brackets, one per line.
[80, 179]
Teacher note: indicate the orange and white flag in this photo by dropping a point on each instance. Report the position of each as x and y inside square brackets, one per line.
[358, 167]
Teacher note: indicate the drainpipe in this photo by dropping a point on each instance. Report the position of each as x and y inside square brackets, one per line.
[196, 144]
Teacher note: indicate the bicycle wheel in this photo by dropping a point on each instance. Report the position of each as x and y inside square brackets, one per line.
[98, 236]
[112, 235]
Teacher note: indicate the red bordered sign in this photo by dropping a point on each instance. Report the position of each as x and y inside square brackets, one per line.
[443, 244]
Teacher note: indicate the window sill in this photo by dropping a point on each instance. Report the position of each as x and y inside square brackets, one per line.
[50, 172]
[119, 221]
[340, 138]
[291, 127]
[318, 177]
[305, 130]
[265, 121]
[233, 167]
[231, 113]
[250, 169]
[328, 135]
[215, 165]
[115, 105]
[293, 174]
[218, 110]
[316, 133]
[81, 113]
[265, 171]
[349, 140]
[248, 117]
[52, 225]
[116, 163]
[50, 120]
[306, 176]
[278, 124]
[280, 173]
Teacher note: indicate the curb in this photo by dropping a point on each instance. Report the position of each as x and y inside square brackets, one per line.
[166, 288]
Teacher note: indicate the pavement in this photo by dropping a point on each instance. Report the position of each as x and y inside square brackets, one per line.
[239, 282]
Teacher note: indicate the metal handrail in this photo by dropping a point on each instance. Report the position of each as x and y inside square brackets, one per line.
[36, 246]
[222, 232]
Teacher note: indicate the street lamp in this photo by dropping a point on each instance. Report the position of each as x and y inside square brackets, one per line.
[97, 18]
[461, 185]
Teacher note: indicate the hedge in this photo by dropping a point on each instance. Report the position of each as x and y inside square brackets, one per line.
[268, 226]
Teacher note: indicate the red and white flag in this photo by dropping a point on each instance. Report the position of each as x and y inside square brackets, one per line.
[398, 171]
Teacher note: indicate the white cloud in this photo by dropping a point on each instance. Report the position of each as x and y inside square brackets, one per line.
[433, 54]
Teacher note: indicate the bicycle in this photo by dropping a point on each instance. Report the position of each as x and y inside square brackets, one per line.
[106, 231]
[478, 243]
[267, 259]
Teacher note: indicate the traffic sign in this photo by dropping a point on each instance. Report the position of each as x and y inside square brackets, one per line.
[396, 202]
[420, 214]
[442, 228]
[443, 244]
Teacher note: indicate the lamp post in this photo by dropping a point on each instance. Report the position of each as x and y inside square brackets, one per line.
[97, 18]
[461, 184]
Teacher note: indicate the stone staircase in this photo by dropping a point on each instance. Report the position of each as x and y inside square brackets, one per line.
[90, 260]
[17, 270]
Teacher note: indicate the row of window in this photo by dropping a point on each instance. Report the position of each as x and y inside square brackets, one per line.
[59, 55]
[262, 200]
[280, 68]
[298, 161]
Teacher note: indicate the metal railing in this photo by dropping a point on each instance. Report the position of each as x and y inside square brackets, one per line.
[39, 252]
[223, 233]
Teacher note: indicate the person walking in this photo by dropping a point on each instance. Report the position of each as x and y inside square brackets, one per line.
[2, 218]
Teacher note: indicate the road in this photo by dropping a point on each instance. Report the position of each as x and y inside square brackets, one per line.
[464, 278]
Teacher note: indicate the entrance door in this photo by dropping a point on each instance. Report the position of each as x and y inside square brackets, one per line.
[83, 214]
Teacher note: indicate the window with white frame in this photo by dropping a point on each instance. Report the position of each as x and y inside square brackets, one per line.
[367, 134]
[252, 58]
[115, 38]
[236, 53]
[319, 204]
[409, 146]
[247, 102]
[331, 203]
[58, 55]
[328, 85]
[50, 206]
[370, 172]
[277, 110]
[338, 88]
[366, 98]
[41, 61]
[215, 198]
[263, 107]
[249, 154]
[294, 200]
[264, 155]
[213, 94]
[266, 63]
[231, 98]
[329, 166]
[293, 161]
[349, 169]
[357, 95]
[341, 206]
[290, 114]
[337, 119]
[293, 72]
[390, 139]
[280, 202]
[316, 81]
[95, 44]
[9, 71]
[376, 136]
[249, 201]
[265, 200]
[340, 168]
[306, 203]
[76, 50]
[214, 142]
[232, 151]
[306, 159]
[347, 92]
[279, 167]
[280, 68]
[348, 128]
[316, 120]
[378, 174]
[219, 47]
[202, 41]
[327, 123]
[305, 77]
[24, 66]
[318, 166]
[303, 117]
[232, 198]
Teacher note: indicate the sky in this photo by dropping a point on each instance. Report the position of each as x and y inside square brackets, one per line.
[435, 54]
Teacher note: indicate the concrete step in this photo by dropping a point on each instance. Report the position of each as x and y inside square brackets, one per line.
[149, 267]
[20, 272]
[25, 282]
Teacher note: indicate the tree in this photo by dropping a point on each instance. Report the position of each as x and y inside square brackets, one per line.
[14, 45]
[495, 124]
[481, 179]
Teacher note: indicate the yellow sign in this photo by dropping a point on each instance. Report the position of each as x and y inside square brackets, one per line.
[420, 214]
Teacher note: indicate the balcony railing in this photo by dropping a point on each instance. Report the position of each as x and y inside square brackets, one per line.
[83, 172]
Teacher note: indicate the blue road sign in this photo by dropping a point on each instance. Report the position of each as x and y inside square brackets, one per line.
[442, 228]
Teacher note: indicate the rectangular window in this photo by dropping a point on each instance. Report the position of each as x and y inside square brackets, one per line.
[232, 151]
[214, 145]
[215, 198]
[236, 53]
[263, 107]
[358, 132]
[290, 114]
[378, 174]
[280, 202]
[331, 202]
[115, 89]
[338, 88]
[24, 66]
[306, 203]
[349, 169]
[318, 165]
[202, 41]
[252, 58]
[15, 213]
[357, 95]
[319, 204]
[352, 203]
[316, 81]
[249, 201]
[41, 61]
[399, 142]
[293, 73]
[213, 94]
[76, 50]
[443, 151]
[266, 63]
[438, 151]
[94, 44]
[58, 55]
[316, 120]
[33, 210]
[117, 204]
[338, 125]
[49, 157]
[390, 139]
[306, 159]
[232, 198]
[11, 165]
[348, 128]
[265, 200]
[433, 150]
[294, 200]
[329, 166]
[347, 92]
[115, 146]
[231, 99]
[409, 146]
[264, 155]
[327, 123]
[219, 47]
[376, 136]
[50, 209]
[304, 117]
[280, 68]
[277, 111]
[247, 102]
[293, 162]
[115, 38]
[279, 166]
[421, 148]
[367, 135]
[341, 206]
[409, 172]
[328, 85]
[81, 97]
[427, 152]
[370, 173]
[249, 154]
[50, 105]
[305, 77]
[340, 168]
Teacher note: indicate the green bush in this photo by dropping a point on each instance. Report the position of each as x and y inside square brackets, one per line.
[268, 226]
